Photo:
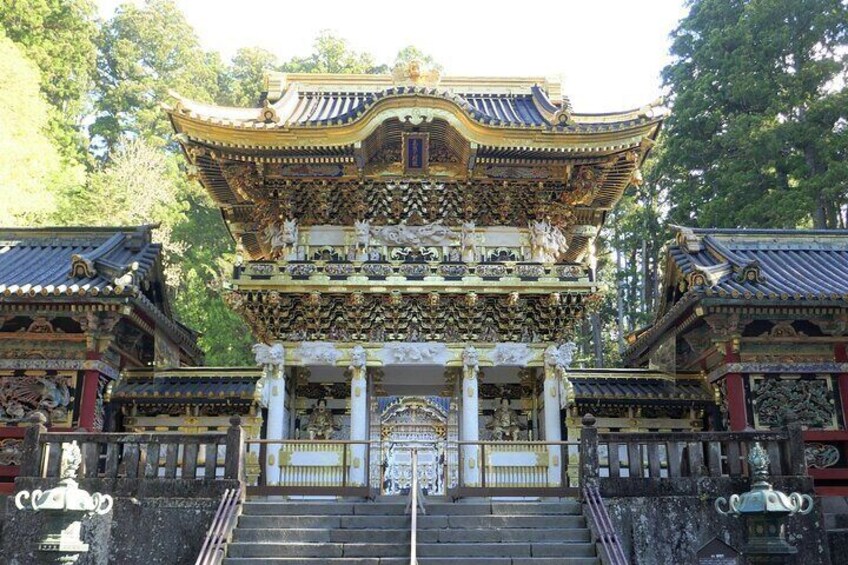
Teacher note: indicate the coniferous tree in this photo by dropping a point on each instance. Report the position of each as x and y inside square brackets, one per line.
[757, 136]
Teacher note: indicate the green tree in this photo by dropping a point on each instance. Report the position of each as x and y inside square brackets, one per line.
[244, 78]
[145, 53]
[758, 93]
[412, 53]
[332, 54]
[58, 36]
[31, 166]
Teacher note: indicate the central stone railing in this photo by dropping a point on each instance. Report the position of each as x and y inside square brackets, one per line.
[311, 467]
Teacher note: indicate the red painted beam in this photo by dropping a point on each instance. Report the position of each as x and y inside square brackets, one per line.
[736, 406]
[88, 396]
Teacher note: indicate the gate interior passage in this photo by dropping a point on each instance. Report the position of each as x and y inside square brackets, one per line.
[413, 423]
[398, 467]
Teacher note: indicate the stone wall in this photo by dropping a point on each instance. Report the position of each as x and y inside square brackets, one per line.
[155, 522]
[671, 529]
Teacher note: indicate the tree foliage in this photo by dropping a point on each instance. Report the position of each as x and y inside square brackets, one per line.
[332, 54]
[243, 80]
[146, 52]
[59, 37]
[758, 92]
[31, 166]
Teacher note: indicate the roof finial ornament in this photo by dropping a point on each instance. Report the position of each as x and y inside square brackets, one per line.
[563, 115]
[414, 73]
[268, 113]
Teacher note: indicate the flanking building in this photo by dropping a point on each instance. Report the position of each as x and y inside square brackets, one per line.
[77, 307]
[764, 315]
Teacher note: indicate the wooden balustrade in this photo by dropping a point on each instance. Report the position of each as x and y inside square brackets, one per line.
[623, 462]
[137, 455]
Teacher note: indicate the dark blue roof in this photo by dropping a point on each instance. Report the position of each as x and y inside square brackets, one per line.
[79, 261]
[323, 108]
[189, 384]
[775, 264]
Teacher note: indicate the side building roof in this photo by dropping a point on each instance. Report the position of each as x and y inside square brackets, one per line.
[91, 264]
[806, 268]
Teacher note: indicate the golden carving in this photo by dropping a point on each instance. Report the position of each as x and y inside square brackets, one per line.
[409, 317]
[414, 73]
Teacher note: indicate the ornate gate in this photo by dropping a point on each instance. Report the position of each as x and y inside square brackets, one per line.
[414, 423]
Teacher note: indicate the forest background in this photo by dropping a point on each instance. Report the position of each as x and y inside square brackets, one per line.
[757, 138]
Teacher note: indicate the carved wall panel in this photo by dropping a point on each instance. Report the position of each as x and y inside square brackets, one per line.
[11, 451]
[821, 455]
[415, 202]
[812, 399]
[409, 317]
[21, 396]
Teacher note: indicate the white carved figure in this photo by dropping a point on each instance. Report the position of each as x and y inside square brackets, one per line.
[468, 242]
[318, 353]
[566, 353]
[560, 357]
[470, 356]
[272, 359]
[283, 238]
[269, 355]
[470, 362]
[415, 353]
[357, 357]
[414, 236]
[516, 354]
[70, 461]
[290, 233]
[547, 243]
[362, 232]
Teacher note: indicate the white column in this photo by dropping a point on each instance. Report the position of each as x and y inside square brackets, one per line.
[557, 360]
[272, 359]
[358, 415]
[470, 417]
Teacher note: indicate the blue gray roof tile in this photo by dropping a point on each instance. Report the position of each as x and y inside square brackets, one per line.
[75, 261]
[764, 264]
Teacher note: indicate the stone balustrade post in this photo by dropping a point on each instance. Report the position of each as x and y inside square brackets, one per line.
[589, 462]
[31, 451]
[234, 459]
[796, 454]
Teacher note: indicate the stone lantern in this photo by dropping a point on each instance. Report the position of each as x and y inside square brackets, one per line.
[765, 511]
[64, 507]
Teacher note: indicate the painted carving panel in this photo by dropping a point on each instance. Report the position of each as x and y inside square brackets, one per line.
[812, 398]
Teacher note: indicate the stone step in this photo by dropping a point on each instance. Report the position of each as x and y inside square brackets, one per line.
[424, 522]
[336, 550]
[317, 535]
[289, 508]
[405, 561]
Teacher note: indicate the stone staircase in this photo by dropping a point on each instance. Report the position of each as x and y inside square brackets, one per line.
[371, 533]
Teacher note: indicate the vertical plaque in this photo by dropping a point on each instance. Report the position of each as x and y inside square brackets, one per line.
[716, 552]
[416, 153]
